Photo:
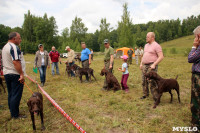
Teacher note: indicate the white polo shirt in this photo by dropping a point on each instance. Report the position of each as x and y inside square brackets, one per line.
[10, 53]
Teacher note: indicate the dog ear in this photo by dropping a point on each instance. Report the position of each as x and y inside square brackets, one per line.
[29, 105]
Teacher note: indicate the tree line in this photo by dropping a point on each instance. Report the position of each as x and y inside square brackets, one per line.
[37, 29]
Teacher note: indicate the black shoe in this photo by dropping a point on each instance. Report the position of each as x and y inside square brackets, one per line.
[143, 97]
[20, 117]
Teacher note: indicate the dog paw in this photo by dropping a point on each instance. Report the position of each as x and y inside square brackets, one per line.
[154, 106]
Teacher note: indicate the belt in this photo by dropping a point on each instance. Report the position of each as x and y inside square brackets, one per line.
[85, 60]
[106, 60]
[149, 63]
[197, 73]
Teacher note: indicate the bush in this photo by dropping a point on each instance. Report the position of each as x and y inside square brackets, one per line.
[164, 51]
[187, 51]
[173, 51]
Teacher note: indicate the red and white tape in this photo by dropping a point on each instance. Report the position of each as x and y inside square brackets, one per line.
[58, 107]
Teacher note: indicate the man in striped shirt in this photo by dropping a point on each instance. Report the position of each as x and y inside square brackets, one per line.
[194, 57]
[14, 76]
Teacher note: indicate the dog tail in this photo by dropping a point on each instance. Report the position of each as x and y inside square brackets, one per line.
[176, 77]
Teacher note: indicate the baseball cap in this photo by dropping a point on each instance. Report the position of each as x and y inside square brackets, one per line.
[125, 57]
[40, 45]
[106, 41]
[67, 47]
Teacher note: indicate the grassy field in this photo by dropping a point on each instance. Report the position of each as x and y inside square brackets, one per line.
[98, 111]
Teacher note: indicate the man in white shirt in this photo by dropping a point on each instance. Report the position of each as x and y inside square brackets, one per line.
[14, 76]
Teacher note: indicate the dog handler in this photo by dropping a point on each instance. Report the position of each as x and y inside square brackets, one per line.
[194, 57]
[108, 60]
[13, 73]
[153, 55]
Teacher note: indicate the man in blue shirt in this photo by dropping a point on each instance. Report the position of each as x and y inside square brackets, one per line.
[85, 57]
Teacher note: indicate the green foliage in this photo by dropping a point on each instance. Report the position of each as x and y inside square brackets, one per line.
[187, 51]
[78, 45]
[78, 30]
[173, 51]
[124, 28]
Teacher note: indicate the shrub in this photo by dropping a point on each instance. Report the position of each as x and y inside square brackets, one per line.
[173, 51]
[187, 51]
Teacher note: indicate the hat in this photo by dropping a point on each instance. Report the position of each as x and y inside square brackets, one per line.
[106, 41]
[125, 57]
[67, 47]
[40, 45]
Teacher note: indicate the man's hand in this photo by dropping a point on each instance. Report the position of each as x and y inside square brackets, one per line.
[110, 67]
[51, 62]
[89, 62]
[21, 79]
[196, 41]
[152, 67]
[141, 66]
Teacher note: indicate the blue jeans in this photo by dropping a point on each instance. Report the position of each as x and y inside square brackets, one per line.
[54, 64]
[15, 89]
[72, 73]
[42, 71]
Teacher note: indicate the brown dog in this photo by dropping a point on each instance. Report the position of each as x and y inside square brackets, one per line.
[1, 82]
[164, 85]
[82, 71]
[35, 105]
[111, 80]
[67, 70]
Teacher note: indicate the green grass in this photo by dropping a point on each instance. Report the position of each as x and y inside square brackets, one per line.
[181, 45]
[107, 112]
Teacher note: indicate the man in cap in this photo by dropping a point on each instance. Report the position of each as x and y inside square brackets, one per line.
[108, 60]
[130, 53]
[70, 58]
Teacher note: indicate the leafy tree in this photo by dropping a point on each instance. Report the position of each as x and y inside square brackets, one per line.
[124, 28]
[78, 30]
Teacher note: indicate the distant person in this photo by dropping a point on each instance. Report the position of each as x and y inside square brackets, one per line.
[141, 51]
[70, 58]
[42, 62]
[92, 54]
[125, 74]
[194, 57]
[85, 58]
[153, 55]
[13, 73]
[55, 57]
[130, 54]
[108, 60]
[137, 54]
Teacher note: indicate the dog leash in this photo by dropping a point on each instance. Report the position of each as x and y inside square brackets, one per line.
[28, 88]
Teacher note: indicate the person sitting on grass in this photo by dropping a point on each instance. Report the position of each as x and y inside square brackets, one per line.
[125, 75]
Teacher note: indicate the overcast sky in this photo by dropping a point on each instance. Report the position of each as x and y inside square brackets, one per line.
[91, 11]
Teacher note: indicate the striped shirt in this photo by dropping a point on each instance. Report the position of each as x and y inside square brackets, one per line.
[10, 53]
[194, 57]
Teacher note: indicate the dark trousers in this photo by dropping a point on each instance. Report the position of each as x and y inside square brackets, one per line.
[42, 71]
[72, 73]
[195, 101]
[15, 89]
[124, 81]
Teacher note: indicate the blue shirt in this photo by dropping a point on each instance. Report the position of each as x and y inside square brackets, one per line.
[85, 54]
[124, 65]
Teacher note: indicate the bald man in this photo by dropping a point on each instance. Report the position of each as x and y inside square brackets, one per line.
[152, 56]
[55, 57]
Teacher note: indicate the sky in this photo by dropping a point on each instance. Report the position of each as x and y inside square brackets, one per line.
[91, 11]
